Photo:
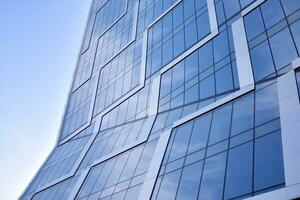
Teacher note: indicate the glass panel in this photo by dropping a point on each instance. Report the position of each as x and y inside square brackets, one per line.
[283, 48]
[268, 163]
[254, 24]
[213, 177]
[181, 141]
[243, 114]
[220, 124]
[266, 104]
[272, 12]
[200, 133]
[169, 185]
[239, 171]
[262, 62]
[190, 181]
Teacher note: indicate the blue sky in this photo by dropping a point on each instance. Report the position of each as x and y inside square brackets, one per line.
[39, 44]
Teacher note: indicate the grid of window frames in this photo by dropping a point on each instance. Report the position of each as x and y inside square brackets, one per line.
[135, 107]
[207, 72]
[84, 67]
[117, 37]
[78, 109]
[231, 152]
[119, 76]
[107, 15]
[59, 163]
[150, 10]
[273, 36]
[229, 158]
[59, 191]
[182, 27]
[120, 177]
[96, 5]
[109, 140]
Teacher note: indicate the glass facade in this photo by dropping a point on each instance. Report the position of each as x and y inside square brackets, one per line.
[177, 99]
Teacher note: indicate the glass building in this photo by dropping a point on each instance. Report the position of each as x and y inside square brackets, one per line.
[181, 99]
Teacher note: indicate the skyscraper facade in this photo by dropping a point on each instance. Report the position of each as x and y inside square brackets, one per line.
[181, 99]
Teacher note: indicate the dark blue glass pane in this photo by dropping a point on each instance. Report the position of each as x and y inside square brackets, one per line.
[239, 171]
[191, 66]
[200, 133]
[167, 24]
[165, 85]
[167, 52]
[243, 114]
[224, 81]
[189, 8]
[190, 180]
[221, 47]
[203, 25]
[290, 6]
[262, 62]
[178, 75]
[178, 43]
[231, 7]
[181, 141]
[190, 34]
[268, 163]
[207, 87]
[205, 56]
[213, 177]
[178, 15]
[283, 48]
[220, 124]
[295, 28]
[254, 24]
[169, 185]
[272, 12]
[266, 104]
[191, 94]
[156, 60]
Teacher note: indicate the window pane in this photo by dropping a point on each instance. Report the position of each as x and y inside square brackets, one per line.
[205, 56]
[167, 52]
[262, 61]
[203, 25]
[190, 34]
[283, 48]
[254, 24]
[224, 80]
[181, 141]
[239, 171]
[272, 12]
[178, 15]
[213, 177]
[290, 6]
[200, 133]
[220, 124]
[268, 163]
[266, 104]
[221, 48]
[295, 28]
[169, 185]
[207, 87]
[231, 7]
[191, 66]
[243, 114]
[178, 43]
[178, 75]
[165, 85]
[191, 94]
[190, 180]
